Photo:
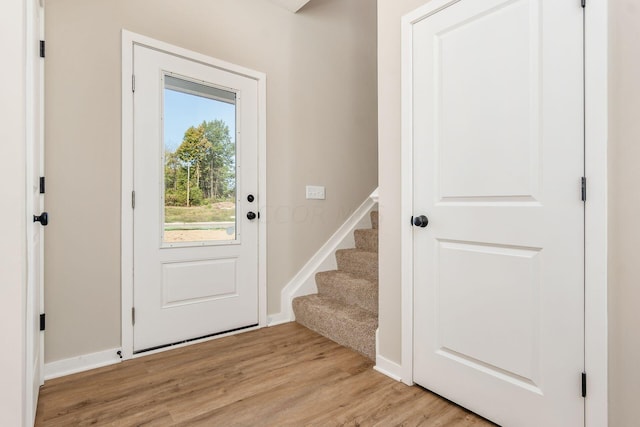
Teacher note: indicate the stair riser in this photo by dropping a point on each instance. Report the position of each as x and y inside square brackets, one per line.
[367, 240]
[364, 264]
[359, 336]
[361, 293]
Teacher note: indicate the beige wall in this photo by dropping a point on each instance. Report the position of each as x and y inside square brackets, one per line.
[12, 213]
[389, 14]
[321, 119]
[624, 208]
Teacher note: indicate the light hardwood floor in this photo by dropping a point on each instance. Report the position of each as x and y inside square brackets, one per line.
[286, 375]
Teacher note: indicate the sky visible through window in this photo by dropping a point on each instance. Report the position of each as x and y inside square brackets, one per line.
[182, 111]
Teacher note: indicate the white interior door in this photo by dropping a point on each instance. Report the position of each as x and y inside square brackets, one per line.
[35, 206]
[196, 199]
[498, 157]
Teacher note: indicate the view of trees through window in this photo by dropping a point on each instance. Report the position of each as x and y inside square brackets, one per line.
[199, 168]
[202, 169]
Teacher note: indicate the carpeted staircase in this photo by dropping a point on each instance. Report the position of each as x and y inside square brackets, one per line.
[345, 309]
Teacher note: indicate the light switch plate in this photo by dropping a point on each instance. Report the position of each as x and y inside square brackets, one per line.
[315, 192]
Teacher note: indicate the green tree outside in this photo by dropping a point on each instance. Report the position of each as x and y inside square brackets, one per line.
[202, 169]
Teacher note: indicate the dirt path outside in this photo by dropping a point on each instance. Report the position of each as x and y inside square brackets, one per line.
[176, 236]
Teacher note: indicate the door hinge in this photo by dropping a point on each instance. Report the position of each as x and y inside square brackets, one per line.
[133, 200]
[42, 185]
[584, 384]
[42, 321]
[583, 188]
[133, 83]
[133, 316]
[584, 3]
[41, 48]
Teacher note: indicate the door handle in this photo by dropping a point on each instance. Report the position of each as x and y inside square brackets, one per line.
[420, 221]
[251, 215]
[43, 218]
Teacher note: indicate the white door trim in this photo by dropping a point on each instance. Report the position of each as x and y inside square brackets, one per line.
[596, 129]
[596, 220]
[128, 41]
[34, 117]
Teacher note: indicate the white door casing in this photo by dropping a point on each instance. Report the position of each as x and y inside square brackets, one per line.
[226, 279]
[498, 153]
[35, 206]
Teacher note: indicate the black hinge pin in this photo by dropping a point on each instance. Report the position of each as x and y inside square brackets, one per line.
[42, 321]
[42, 186]
[133, 316]
[133, 200]
[41, 48]
[583, 187]
[584, 384]
[133, 83]
[584, 3]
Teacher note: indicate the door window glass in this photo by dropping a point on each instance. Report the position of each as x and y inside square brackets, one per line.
[199, 162]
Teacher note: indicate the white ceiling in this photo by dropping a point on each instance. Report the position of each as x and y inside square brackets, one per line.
[291, 5]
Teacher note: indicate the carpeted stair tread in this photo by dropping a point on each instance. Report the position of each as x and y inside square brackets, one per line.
[366, 239]
[349, 289]
[346, 324]
[358, 262]
[374, 220]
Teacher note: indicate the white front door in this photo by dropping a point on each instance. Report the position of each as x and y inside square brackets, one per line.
[196, 198]
[35, 207]
[498, 155]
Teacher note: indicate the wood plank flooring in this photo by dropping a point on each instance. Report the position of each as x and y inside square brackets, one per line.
[286, 375]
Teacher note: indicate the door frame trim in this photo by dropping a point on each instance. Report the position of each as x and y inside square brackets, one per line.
[129, 39]
[596, 227]
[34, 125]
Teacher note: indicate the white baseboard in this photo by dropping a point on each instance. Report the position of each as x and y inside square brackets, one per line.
[388, 368]
[278, 319]
[304, 282]
[73, 365]
[385, 366]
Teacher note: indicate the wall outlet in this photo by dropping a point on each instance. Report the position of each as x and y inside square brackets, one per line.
[315, 192]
